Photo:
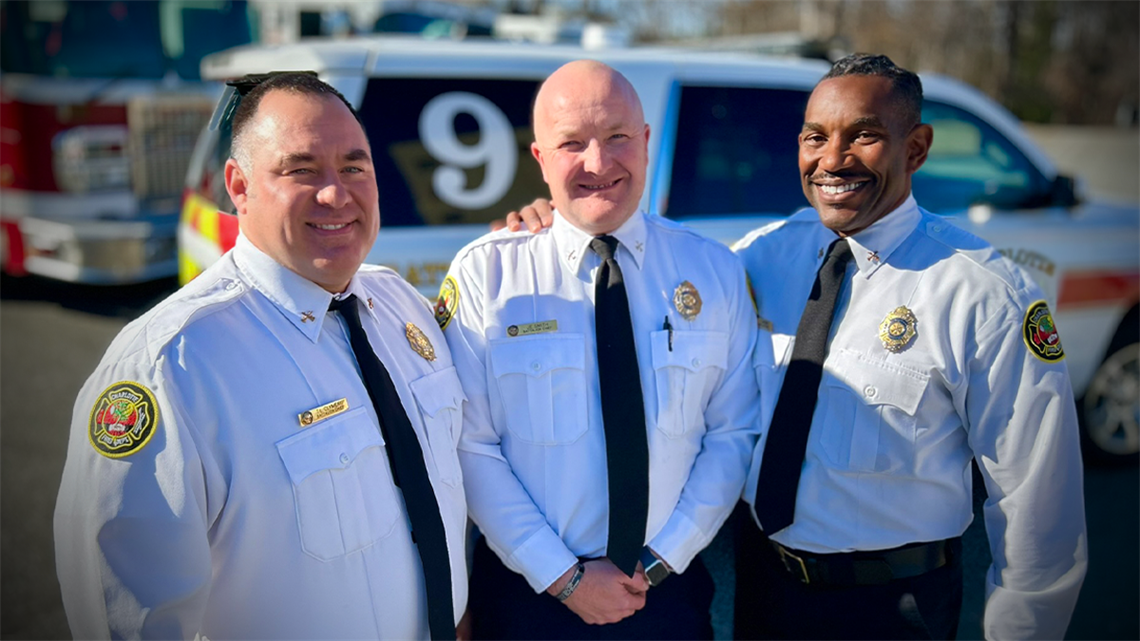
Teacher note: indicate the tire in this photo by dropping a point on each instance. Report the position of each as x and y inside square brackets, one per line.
[1110, 409]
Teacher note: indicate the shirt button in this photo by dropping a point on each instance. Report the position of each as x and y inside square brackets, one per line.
[938, 228]
[344, 458]
[696, 362]
[870, 391]
[230, 286]
[536, 366]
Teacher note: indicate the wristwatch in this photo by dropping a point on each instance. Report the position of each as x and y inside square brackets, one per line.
[655, 569]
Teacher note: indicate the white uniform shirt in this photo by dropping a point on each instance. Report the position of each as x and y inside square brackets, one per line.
[233, 521]
[888, 456]
[533, 445]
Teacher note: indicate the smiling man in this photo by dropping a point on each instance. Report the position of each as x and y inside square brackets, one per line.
[247, 463]
[906, 348]
[613, 400]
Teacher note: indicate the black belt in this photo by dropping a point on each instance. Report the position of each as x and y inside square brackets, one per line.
[867, 568]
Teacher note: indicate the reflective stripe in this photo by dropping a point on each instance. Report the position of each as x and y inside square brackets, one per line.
[1098, 287]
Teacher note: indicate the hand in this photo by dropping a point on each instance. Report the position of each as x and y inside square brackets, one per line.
[463, 630]
[536, 216]
[605, 594]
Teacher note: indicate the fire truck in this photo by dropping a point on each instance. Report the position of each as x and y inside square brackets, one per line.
[100, 105]
[449, 125]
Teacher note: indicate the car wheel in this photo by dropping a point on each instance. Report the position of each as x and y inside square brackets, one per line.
[1111, 406]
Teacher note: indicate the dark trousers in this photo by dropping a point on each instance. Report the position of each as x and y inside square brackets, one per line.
[772, 604]
[503, 606]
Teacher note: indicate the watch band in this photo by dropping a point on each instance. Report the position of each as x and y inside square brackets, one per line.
[572, 584]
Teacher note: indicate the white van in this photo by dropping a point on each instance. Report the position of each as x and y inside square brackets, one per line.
[449, 124]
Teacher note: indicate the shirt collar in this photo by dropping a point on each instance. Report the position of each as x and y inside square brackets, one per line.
[299, 299]
[873, 246]
[573, 244]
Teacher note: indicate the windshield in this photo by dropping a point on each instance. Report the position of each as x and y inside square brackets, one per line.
[117, 39]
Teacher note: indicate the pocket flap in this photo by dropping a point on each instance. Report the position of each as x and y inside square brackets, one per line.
[333, 444]
[880, 382]
[692, 350]
[537, 355]
[438, 390]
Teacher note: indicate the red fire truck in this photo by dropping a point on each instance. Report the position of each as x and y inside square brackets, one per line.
[100, 104]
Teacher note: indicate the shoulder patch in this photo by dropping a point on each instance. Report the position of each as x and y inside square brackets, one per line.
[447, 303]
[122, 420]
[1040, 333]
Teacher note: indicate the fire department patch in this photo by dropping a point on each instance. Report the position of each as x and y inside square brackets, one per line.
[447, 302]
[1041, 334]
[122, 420]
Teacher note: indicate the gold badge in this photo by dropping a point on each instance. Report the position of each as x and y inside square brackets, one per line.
[318, 414]
[687, 300]
[419, 342]
[897, 329]
[447, 303]
[541, 327]
[1041, 333]
[122, 420]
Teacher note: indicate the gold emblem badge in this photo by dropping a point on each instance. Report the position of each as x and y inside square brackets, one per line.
[1041, 333]
[447, 303]
[898, 329]
[687, 300]
[122, 420]
[419, 342]
[317, 414]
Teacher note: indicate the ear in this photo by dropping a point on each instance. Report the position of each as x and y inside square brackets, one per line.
[646, 139]
[918, 146]
[536, 151]
[237, 184]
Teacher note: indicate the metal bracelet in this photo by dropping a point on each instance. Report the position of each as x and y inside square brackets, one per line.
[572, 584]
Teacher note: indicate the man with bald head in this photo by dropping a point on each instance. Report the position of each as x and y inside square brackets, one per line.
[230, 474]
[612, 395]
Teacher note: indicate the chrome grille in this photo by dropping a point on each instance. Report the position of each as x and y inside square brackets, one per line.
[163, 129]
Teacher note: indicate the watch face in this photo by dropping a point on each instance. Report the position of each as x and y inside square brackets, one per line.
[656, 573]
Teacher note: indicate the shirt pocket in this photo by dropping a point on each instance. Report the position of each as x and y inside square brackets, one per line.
[871, 422]
[342, 487]
[686, 376]
[542, 387]
[440, 397]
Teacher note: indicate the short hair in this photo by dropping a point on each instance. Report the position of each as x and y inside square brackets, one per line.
[906, 87]
[301, 83]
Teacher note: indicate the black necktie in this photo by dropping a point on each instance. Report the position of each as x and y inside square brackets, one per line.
[623, 412]
[788, 434]
[409, 472]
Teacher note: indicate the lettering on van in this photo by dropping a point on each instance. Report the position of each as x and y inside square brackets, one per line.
[1029, 259]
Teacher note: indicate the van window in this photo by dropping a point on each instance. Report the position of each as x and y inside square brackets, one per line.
[451, 150]
[736, 152]
[971, 163]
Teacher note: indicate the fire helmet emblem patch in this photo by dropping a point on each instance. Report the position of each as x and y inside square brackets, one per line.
[122, 420]
[1041, 334]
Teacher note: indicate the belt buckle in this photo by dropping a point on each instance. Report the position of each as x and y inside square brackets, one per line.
[799, 565]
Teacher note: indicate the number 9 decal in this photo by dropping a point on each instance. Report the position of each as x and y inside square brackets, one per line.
[497, 149]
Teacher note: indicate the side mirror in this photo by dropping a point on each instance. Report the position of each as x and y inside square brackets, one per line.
[1064, 191]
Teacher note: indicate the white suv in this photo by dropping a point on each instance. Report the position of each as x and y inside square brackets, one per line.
[449, 124]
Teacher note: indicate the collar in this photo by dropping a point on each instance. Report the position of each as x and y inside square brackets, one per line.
[573, 244]
[873, 246]
[299, 299]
